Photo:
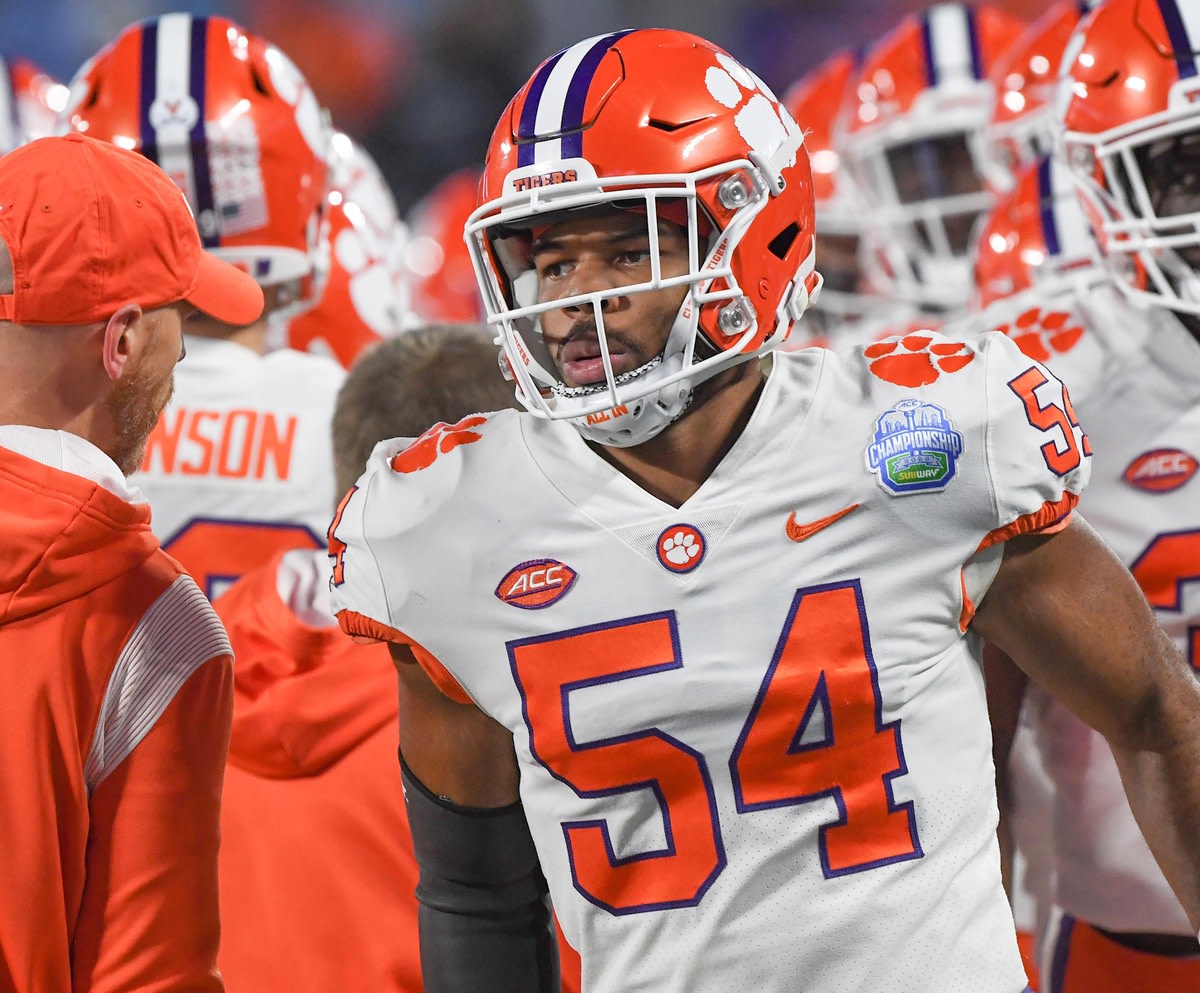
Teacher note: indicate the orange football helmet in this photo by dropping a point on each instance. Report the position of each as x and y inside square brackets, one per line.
[1129, 107]
[664, 124]
[1036, 241]
[443, 285]
[913, 143]
[30, 102]
[231, 120]
[1022, 125]
[363, 284]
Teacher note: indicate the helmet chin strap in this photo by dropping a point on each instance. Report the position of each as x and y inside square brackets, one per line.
[591, 389]
[639, 420]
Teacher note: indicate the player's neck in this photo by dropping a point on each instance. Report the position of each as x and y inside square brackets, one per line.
[675, 463]
[253, 336]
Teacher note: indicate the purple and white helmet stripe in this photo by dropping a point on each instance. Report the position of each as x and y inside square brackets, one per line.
[1183, 26]
[951, 43]
[1064, 226]
[174, 50]
[549, 129]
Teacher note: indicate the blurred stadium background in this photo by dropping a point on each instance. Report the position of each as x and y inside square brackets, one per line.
[420, 83]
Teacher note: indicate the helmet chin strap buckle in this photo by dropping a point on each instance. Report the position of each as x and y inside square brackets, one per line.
[799, 298]
[773, 175]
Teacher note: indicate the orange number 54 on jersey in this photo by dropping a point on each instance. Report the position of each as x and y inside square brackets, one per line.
[822, 664]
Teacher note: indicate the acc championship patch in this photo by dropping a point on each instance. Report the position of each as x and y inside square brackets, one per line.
[914, 449]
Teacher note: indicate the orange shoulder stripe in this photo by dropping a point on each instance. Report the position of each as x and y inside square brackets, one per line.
[359, 626]
[1052, 516]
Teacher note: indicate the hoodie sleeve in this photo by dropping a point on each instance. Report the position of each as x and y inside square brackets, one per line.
[149, 915]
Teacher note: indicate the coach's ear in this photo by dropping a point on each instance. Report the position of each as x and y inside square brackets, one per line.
[121, 339]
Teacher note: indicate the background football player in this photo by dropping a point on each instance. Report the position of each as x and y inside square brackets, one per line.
[239, 466]
[1129, 349]
[913, 143]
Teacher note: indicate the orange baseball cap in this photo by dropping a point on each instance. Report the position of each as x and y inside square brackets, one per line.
[91, 227]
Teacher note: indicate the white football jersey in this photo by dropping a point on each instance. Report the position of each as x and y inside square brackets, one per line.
[1138, 392]
[240, 464]
[751, 730]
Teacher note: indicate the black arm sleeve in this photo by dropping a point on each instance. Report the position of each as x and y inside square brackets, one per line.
[484, 915]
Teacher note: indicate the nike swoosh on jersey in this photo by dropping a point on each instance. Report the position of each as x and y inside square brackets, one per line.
[798, 532]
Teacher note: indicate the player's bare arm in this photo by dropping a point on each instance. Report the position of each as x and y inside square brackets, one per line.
[1103, 655]
[1005, 693]
[454, 749]
[484, 920]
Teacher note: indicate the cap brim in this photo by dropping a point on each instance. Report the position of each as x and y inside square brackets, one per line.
[225, 292]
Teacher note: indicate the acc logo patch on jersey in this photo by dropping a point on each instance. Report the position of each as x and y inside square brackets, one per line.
[536, 584]
[914, 449]
[1161, 470]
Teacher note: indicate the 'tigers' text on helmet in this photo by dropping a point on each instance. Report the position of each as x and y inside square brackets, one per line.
[555, 178]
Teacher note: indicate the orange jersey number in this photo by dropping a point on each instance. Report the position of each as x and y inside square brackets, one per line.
[1049, 417]
[1166, 564]
[337, 547]
[823, 662]
[216, 553]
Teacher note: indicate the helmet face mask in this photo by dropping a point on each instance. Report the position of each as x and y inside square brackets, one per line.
[928, 196]
[687, 357]
[722, 159]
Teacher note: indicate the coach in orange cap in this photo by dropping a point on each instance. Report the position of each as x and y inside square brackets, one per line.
[116, 674]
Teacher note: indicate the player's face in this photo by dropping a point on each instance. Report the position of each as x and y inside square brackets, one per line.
[604, 252]
[1171, 168]
[145, 386]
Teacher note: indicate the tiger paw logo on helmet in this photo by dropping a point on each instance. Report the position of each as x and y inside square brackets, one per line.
[438, 440]
[762, 122]
[917, 359]
[1040, 335]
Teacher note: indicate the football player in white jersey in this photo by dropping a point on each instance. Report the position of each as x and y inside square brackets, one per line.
[697, 649]
[239, 466]
[912, 141]
[1131, 351]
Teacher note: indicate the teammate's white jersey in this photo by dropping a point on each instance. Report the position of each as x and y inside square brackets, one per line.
[240, 465]
[1135, 379]
[752, 735]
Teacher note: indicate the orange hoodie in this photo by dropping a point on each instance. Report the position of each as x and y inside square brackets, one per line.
[317, 874]
[115, 710]
[318, 877]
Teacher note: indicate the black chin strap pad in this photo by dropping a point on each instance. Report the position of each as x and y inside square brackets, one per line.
[484, 914]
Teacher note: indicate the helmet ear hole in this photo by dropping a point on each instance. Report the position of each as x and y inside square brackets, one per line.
[257, 80]
[782, 243]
